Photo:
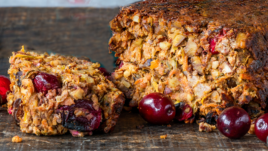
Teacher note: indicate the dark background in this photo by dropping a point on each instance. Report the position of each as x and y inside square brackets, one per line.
[67, 31]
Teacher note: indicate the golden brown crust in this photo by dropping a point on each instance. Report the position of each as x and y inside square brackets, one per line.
[243, 15]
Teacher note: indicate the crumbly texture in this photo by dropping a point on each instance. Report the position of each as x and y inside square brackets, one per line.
[37, 112]
[209, 54]
[16, 139]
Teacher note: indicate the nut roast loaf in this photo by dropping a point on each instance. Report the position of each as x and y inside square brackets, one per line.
[208, 54]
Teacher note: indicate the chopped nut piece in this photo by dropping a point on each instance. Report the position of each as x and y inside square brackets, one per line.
[241, 40]
[178, 39]
[215, 64]
[226, 68]
[191, 48]
[136, 18]
[77, 94]
[215, 96]
[197, 64]
[16, 139]
[164, 45]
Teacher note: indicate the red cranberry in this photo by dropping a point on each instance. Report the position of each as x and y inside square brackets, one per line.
[105, 72]
[4, 88]
[87, 121]
[44, 82]
[233, 122]
[9, 111]
[261, 127]
[223, 32]
[213, 43]
[183, 111]
[156, 108]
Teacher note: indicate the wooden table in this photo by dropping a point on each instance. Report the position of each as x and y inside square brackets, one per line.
[85, 32]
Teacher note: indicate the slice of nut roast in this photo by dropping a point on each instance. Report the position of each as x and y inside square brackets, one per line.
[51, 94]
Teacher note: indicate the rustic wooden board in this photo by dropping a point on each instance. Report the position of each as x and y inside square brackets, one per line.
[127, 137]
[85, 32]
[79, 32]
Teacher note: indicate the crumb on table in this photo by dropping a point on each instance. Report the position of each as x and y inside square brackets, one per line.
[16, 139]
[205, 127]
[163, 136]
[168, 125]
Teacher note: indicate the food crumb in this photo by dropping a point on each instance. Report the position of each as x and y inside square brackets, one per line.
[168, 125]
[16, 139]
[163, 136]
[205, 127]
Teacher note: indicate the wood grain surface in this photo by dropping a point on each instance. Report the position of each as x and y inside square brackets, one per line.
[85, 32]
[127, 136]
[68, 31]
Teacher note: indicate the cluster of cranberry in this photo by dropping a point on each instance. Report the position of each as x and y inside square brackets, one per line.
[233, 122]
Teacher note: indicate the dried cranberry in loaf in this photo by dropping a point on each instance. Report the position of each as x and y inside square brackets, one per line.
[44, 82]
[183, 111]
[82, 116]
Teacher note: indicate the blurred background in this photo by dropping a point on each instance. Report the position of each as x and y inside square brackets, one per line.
[68, 27]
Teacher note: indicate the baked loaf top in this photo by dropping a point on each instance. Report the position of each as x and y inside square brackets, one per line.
[245, 15]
